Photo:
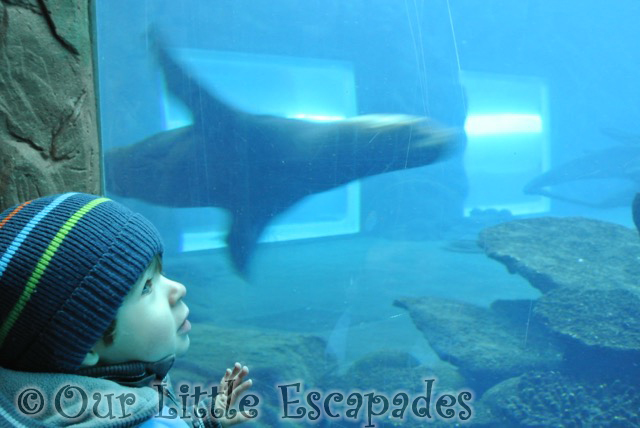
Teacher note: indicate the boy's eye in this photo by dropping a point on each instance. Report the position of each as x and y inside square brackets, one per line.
[146, 289]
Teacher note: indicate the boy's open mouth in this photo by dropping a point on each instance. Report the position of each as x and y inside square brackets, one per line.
[185, 327]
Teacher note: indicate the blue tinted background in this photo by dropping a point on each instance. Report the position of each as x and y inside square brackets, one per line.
[406, 56]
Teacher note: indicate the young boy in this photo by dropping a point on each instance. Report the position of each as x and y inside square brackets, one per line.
[89, 325]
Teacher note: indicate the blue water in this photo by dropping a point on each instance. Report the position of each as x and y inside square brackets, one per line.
[534, 83]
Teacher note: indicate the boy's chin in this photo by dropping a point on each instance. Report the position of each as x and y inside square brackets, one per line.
[183, 347]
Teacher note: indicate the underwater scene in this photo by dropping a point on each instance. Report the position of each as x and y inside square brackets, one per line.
[395, 212]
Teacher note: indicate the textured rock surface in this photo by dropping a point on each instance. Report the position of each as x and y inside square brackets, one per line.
[566, 252]
[391, 371]
[273, 359]
[546, 399]
[486, 345]
[48, 128]
[608, 318]
[588, 270]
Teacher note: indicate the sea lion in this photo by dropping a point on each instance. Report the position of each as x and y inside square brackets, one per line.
[257, 166]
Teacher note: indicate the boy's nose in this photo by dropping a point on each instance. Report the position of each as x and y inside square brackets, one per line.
[177, 292]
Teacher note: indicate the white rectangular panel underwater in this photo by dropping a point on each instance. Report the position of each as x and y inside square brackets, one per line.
[507, 128]
[300, 88]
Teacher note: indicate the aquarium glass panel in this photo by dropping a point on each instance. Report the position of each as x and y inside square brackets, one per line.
[427, 202]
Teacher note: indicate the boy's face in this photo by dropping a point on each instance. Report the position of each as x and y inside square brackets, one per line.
[151, 323]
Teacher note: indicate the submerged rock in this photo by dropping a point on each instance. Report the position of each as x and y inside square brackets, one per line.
[588, 270]
[566, 252]
[391, 371]
[606, 318]
[487, 345]
[546, 399]
[273, 359]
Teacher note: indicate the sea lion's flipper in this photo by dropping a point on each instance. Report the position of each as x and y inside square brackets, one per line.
[242, 239]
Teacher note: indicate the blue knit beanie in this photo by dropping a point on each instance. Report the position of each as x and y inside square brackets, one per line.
[66, 263]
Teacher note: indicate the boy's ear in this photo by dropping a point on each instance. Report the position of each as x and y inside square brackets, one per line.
[91, 359]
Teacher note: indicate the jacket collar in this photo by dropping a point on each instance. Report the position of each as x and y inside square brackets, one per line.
[133, 374]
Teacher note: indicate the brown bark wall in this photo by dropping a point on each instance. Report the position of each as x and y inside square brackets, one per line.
[48, 117]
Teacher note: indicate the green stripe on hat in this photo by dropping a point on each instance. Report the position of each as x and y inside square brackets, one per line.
[42, 264]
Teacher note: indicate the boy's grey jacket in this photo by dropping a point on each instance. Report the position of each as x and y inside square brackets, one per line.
[96, 402]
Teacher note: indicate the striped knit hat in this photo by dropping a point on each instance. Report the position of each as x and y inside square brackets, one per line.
[66, 263]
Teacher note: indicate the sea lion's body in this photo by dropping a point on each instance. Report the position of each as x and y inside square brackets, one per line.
[257, 166]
